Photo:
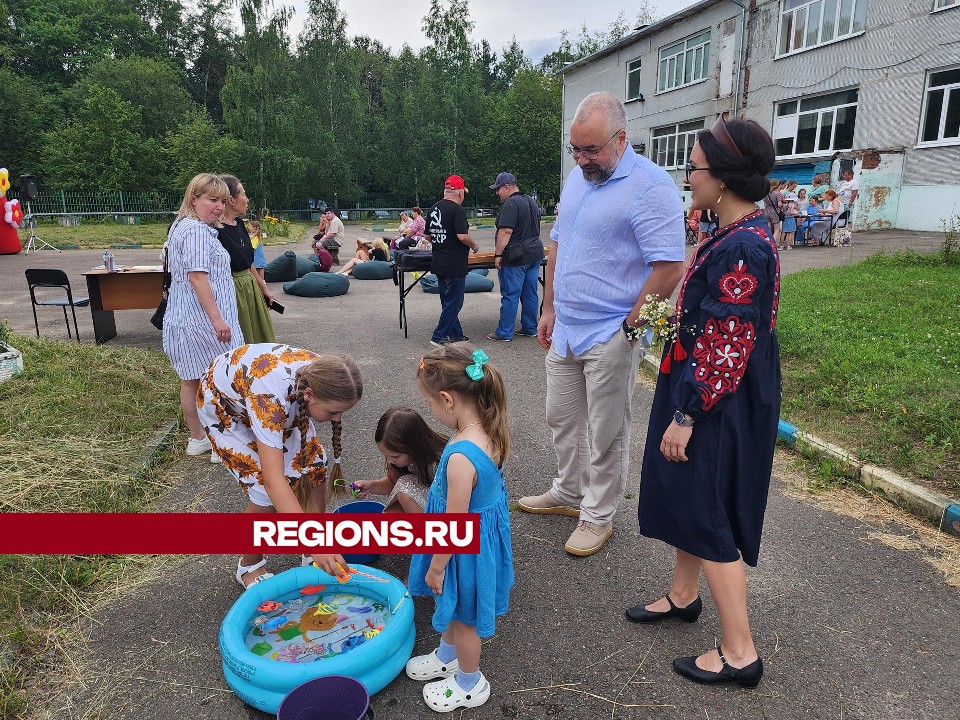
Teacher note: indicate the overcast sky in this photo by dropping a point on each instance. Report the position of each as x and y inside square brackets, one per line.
[537, 24]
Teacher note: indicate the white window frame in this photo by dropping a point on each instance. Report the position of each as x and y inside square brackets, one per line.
[951, 90]
[674, 139]
[695, 56]
[939, 5]
[631, 70]
[790, 121]
[798, 14]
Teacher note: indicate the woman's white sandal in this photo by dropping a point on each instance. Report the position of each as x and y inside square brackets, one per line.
[429, 667]
[446, 695]
[244, 569]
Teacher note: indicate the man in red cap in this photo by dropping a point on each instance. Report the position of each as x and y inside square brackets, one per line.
[451, 242]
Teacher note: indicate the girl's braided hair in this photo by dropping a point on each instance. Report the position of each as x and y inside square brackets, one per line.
[335, 378]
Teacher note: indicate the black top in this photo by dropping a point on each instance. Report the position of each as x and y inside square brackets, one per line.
[445, 221]
[378, 254]
[236, 241]
[521, 214]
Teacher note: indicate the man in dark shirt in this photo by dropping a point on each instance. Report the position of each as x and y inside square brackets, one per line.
[451, 243]
[518, 253]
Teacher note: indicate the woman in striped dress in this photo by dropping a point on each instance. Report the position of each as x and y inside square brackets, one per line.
[201, 318]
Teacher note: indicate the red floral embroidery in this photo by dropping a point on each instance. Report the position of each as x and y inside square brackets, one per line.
[720, 357]
[738, 286]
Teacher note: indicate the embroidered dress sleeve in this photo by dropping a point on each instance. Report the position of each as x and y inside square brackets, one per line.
[729, 318]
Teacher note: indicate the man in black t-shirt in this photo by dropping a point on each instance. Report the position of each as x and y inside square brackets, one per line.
[518, 253]
[451, 243]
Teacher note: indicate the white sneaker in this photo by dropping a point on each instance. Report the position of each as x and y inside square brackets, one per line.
[214, 458]
[198, 447]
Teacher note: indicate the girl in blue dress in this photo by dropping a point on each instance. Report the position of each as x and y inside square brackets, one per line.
[466, 395]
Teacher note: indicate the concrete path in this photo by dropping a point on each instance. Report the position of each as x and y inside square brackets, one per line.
[849, 627]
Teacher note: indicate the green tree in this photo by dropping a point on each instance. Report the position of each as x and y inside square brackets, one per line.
[213, 48]
[262, 107]
[28, 113]
[152, 86]
[102, 148]
[198, 146]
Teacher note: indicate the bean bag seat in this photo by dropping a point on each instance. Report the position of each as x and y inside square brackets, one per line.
[306, 265]
[481, 271]
[473, 283]
[281, 269]
[318, 284]
[373, 270]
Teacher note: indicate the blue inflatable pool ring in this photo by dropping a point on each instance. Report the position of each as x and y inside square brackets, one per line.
[372, 655]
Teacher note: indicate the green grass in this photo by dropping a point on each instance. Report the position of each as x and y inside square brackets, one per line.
[871, 361]
[76, 422]
[101, 233]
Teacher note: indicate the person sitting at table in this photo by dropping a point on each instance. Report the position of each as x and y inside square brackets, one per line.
[834, 207]
[827, 213]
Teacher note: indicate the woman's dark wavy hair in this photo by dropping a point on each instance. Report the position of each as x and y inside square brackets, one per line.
[746, 176]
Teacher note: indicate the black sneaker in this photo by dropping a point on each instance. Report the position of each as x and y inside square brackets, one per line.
[494, 336]
[521, 333]
[462, 339]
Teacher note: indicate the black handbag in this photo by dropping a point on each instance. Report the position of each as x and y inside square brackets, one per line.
[513, 252]
[157, 318]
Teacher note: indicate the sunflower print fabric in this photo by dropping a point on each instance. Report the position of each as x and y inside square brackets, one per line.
[248, 396]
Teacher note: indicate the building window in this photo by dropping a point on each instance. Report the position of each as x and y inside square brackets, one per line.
[941, 4]
[684, 63]
[672, 144]
[815, 125]
[805, 24]
[633, 80]
[941, 107]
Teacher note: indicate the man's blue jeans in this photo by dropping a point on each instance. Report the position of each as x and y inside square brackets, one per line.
[518, 285]
[451, 302]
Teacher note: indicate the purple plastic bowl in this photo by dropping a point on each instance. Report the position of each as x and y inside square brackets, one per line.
[332, 697]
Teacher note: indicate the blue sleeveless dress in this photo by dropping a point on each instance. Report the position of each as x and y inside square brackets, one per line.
[476, 588]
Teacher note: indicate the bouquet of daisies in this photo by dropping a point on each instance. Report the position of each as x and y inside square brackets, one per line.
[660, 316]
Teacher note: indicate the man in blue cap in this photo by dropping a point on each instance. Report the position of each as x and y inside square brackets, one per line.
[518, 254]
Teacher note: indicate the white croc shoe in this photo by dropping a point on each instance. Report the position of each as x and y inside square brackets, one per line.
[446, 696]
[429, 667]
[244, 569]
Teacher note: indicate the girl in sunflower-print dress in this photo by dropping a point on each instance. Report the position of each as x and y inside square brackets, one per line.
[258, 405]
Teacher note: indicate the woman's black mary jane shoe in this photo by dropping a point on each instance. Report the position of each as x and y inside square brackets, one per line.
[748, 677]
[690, 613]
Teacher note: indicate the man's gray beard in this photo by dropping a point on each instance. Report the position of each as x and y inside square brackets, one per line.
[599, 176]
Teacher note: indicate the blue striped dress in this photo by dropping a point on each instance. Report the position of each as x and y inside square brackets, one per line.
[189, 339]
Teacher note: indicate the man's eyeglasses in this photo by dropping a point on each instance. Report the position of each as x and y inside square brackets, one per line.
[690, 168]
[589, 154]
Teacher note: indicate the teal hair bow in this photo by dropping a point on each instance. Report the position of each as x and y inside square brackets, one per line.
[475, 371]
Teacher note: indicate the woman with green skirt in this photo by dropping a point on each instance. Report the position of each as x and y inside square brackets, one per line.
[253, 295]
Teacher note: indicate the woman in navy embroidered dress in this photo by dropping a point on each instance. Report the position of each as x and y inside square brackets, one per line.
[713, 425]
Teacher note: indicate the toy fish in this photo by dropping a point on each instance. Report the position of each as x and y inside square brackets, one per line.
[325, 609]
[354, 641]
[274, 623]
[371, 632]
[312, 589]
[268, 606]
[359, 609]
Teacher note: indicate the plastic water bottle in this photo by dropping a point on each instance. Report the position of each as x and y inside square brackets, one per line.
[106, 261]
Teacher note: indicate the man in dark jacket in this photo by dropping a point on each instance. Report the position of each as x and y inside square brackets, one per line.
[518, 254]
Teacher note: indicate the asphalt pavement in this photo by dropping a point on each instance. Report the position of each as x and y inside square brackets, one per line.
[848, 627]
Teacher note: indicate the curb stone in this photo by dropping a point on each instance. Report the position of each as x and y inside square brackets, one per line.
[154, 447]
[915, 498]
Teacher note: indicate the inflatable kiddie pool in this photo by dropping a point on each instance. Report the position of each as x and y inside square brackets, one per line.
[303, 624]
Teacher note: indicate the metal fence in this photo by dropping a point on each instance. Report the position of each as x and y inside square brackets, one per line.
[124, 206]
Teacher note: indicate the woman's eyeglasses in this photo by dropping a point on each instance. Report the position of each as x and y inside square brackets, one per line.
[690, 168]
